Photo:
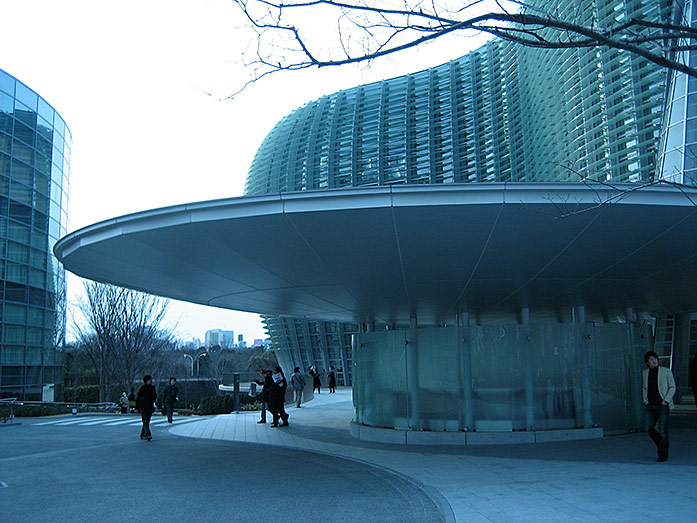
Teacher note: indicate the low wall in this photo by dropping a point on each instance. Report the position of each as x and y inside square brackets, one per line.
[411, 437]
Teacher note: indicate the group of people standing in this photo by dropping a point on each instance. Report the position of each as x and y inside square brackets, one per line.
[273, 396]
[274, 386]
[317, 383]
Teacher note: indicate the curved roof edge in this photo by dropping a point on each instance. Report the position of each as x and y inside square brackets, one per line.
[562, 194]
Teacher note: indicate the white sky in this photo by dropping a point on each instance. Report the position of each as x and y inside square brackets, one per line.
[130, 79]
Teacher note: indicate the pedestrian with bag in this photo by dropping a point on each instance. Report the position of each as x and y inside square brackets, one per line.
[277, 398]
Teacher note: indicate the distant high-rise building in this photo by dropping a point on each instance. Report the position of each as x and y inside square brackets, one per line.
[220, 338]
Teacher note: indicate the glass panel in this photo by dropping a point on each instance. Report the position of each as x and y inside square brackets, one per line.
[11, 375]
[13, 334]
[33, 356]
[557, 391]
[675, 136]
[27, 96]
[7, 105]
[7, 84]
[677, 110]
[439, 386]
[498, 381]
[35, 337]
[613, 364]
[15, 313]
[380, 367]
[46, 111]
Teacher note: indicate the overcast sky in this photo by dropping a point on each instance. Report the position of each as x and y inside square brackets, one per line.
[132, 81]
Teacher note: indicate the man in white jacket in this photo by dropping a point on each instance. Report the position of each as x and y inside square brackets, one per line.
[658, 392]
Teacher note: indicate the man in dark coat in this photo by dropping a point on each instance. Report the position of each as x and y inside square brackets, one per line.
[277, 398]
[145, 402]
[263, 396]
[171, 397]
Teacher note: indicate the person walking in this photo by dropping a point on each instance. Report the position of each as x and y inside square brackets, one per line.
[277, 398]
[263, 396]
[145, 402]
[123, 403]
[316, 383]
[658, 391]
[132, 400]
[171, 397]
[332, 380]
[297, 382]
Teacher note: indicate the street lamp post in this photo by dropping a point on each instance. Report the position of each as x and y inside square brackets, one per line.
[198, 363]
[192, 363]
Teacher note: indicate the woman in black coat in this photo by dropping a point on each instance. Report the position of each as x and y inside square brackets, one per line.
[332, 380]
[277, 398]
[316, 383]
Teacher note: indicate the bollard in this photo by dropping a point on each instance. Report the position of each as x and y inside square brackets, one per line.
[236, 391]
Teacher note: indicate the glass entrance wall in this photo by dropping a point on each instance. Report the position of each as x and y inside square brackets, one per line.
[502, 377]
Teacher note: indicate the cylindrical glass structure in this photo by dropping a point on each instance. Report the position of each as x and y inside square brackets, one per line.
[34, 180]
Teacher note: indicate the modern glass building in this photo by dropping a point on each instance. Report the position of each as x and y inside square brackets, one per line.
[34, 179]
[477, 248]
[503, 113]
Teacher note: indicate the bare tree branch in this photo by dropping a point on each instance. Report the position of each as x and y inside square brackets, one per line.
[122, 332]
[366, 30]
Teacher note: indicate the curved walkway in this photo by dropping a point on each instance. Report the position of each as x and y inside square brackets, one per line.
[614, 478]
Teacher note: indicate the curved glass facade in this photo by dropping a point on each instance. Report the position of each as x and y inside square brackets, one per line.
[678, 160]
[34, 179]
[502, 377]
[501, 113]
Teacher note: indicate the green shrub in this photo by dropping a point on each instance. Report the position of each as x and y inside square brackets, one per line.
[82, 394]
[32, 411]
[226, 404]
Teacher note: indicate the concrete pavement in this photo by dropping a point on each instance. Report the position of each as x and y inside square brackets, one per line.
[90, 468]
[615, 478]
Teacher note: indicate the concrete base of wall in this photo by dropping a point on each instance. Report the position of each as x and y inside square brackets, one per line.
[414, 437]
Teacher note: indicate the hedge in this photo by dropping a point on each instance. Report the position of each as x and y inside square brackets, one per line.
[226, 404]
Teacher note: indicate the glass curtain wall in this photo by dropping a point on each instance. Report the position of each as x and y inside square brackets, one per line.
[501, 113]
[521, 377]
[34, 179]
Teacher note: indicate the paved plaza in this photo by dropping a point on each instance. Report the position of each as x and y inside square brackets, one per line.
[228, 467]
[615, 478]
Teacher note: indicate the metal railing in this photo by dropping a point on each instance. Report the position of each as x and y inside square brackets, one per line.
[11, 402]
